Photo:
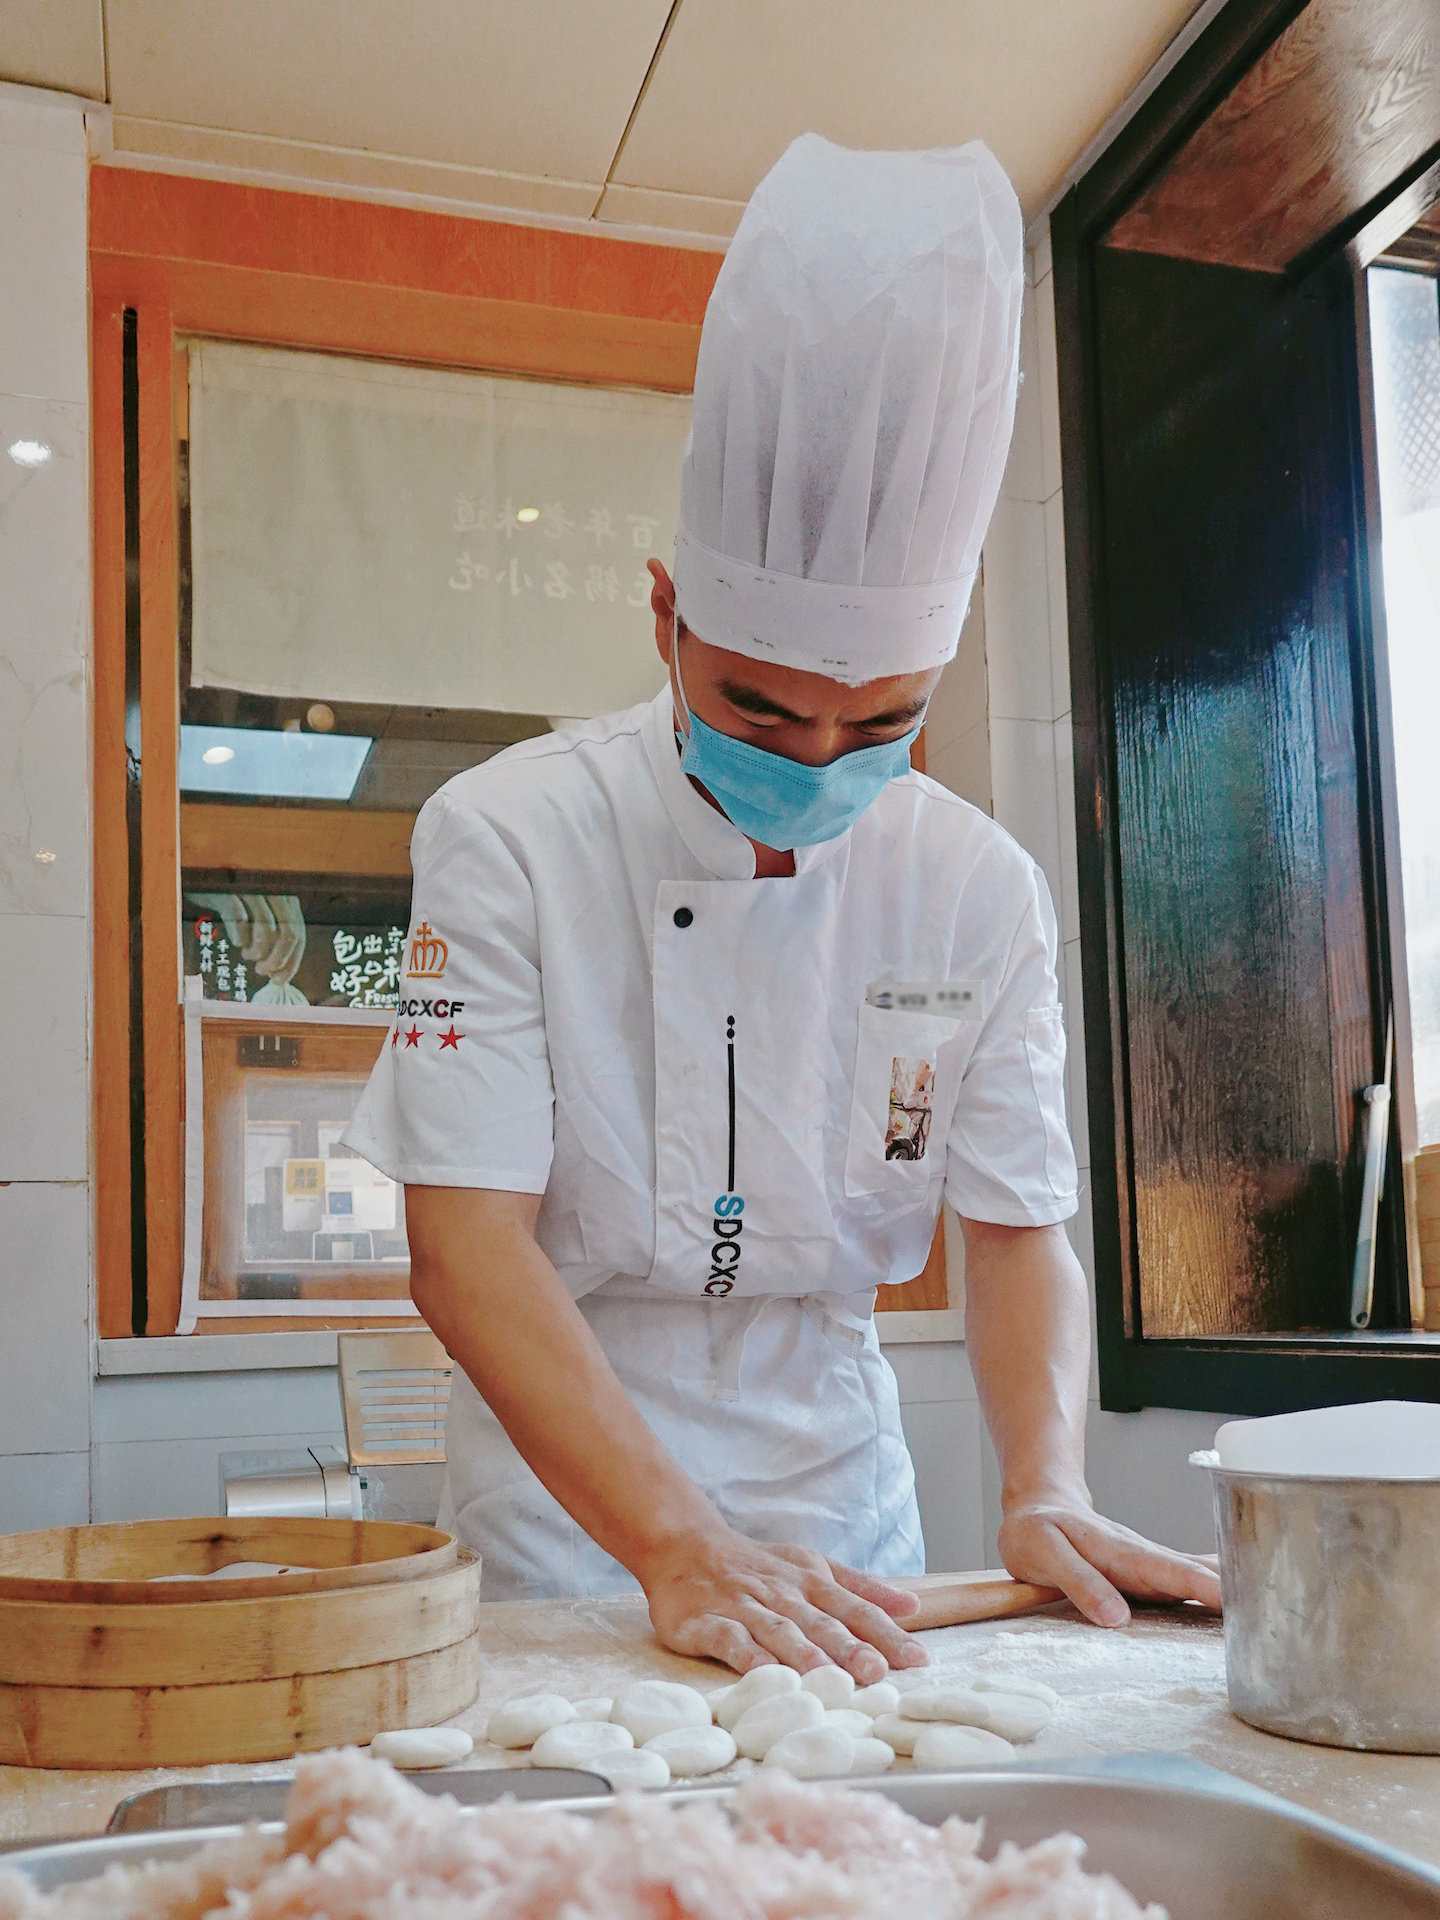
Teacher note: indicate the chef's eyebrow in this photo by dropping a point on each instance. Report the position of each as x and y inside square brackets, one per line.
[751, 700]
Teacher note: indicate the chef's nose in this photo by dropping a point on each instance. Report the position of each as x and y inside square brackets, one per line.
[817, 746]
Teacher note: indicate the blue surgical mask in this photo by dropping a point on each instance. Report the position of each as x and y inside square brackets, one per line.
[784, 803]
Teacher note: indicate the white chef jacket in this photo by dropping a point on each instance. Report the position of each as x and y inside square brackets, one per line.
[738, 1123]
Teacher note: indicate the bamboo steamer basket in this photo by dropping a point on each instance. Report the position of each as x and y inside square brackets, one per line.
[102, 1666]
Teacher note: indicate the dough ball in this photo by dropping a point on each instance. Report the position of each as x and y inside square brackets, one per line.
[871, 1756]
[813, 1753]
[883, 1697]
[627, 1767]
[899, 1735]
[959, 1704]
[519, 1723]
[761, 1683]
[831, 1686]
[857, 1725]
[1015, 1716]
[596, 1708]
[659, 1706]
[715, 1701]
[1032, 1689]
[688, 1751]
[941, 1746]
[422, 1746]
[758, 1730]
[578, 1742]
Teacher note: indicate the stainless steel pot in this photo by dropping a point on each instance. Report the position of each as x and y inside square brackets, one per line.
[1332, 1607]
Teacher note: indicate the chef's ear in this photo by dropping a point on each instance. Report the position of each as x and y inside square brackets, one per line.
[662, 605]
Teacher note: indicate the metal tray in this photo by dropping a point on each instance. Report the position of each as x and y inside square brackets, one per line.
[1202, 1853]
[223, 1803]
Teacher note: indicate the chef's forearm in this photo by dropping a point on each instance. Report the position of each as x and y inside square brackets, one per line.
[1027, 1328]
[495, 1300]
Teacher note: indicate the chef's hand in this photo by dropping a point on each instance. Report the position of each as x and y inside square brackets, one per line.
[724, 1597]
[1096, 1562]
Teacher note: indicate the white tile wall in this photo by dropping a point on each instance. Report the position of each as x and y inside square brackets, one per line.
[44, 987]
[45, 1318]
[45, 1209]
[44, 1490]
[44, 316]
[159, 1437]
[944, 1430]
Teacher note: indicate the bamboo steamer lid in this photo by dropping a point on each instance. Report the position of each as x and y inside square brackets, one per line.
[105, 1664]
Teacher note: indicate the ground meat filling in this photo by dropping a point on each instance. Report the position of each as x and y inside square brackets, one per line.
[361, 1843]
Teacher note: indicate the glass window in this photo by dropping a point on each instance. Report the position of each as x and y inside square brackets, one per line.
[387, 576]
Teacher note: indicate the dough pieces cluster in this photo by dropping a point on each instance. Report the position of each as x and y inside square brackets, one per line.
[943, 1727]
[652, 1733]
[655, 1731]
[815, 1726]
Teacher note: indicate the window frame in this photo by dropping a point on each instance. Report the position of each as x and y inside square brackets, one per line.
[1253, 1375]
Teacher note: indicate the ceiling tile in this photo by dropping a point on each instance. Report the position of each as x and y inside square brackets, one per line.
[348, 170]
[673, 212]
[54, 43]
[505, 84]
[739, 79]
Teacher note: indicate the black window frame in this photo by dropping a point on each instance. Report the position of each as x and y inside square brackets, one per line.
[1254, 1374]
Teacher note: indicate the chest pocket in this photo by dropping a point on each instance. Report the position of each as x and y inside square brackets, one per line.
[907, 1078]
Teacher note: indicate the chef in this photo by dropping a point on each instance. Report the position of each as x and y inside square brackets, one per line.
[708, 1005]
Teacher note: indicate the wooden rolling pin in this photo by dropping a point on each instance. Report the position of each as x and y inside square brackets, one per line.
[953, 1599]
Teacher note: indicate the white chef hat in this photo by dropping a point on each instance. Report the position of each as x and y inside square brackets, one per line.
[853, 405]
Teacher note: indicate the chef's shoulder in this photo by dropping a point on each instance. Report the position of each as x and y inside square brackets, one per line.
[950, 836]
[518, 799]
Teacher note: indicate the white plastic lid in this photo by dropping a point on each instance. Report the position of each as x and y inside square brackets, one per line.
[1376, 1440]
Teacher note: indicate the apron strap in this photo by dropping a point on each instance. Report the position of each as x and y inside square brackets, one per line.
[844, 1319]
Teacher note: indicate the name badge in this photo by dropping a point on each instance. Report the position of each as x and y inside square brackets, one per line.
[951, 999]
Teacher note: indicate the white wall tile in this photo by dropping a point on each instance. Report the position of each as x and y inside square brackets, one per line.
[1067, 905]
[960, 699]
[1072, 991]
[1017, 614]
[1022, 777]
[44, 984]
[944, 1440]
[168, 1479]
[45, 1318]
[44, 785]
[1080, 1229]
[925, 1371]
[44, 311]
[1056, 597]
[1140, 1474]
[239, 1407]
[44, 1490]
[44, 528]
[1024, 469]
[1047, 380]
[963, 766]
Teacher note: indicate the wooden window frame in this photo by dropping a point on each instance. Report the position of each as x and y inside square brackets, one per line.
[1255, 1375]
[189, 257]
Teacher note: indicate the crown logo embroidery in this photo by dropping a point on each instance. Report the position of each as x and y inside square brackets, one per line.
[428, 954]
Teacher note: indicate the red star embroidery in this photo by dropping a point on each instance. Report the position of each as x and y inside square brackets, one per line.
[412, 1038]
[451, 1039]
[394, 1035]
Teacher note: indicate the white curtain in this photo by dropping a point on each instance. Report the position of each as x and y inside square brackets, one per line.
[381, 533]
